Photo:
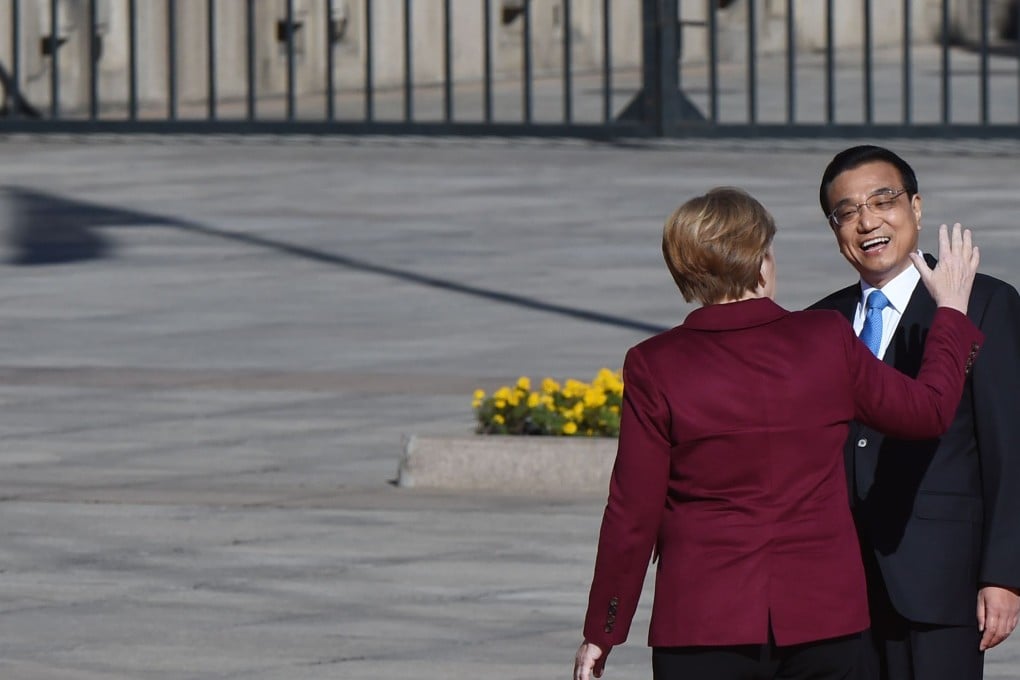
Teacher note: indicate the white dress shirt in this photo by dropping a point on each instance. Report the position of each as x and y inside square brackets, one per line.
[898, 291]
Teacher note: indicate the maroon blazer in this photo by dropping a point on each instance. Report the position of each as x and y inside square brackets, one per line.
[730, 465]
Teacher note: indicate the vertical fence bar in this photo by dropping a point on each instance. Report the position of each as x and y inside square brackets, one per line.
[752, 73]
[666, 94]
[1017, 29]
[568, 83]
[330, 61]
[713, 61]
[291, 104]
[984, 62]
[487, 60]
[408, 64]
[171, 59]
[607, 62]
[132, 60]
[54, 41]
[210, 39]
[678, 41]
[652, 29]
[93, 51]
[369, 102]
[907, 68]
[791, 63]
[249, 51]
[869, 85]
[830, 64]
[526, 49]
[15, 56]
[447, 62]
[945, 62]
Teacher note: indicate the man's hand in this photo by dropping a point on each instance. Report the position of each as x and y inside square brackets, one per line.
[997, 612]
[590, 661]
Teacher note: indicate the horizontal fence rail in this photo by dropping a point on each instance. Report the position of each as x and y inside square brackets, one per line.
[589, 68]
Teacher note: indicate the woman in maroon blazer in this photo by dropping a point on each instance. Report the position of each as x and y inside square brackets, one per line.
[729, 473]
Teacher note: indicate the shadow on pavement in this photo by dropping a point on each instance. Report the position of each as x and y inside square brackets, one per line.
[51, 229]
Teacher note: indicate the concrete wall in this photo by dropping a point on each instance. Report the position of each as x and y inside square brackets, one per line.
[887, 20]
[351, 45]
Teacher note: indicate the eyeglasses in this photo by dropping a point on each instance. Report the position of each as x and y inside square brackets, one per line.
[882, 202]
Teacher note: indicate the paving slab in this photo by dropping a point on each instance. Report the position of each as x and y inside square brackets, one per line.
[213, 349]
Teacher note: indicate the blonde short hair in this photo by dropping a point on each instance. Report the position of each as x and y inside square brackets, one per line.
[714, 245]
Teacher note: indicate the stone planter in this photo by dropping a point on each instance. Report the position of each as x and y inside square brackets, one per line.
[508, 463]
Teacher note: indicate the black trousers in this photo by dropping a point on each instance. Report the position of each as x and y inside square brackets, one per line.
[832, 659]
[898, 649]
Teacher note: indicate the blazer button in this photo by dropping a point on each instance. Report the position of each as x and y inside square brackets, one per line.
[862, 442]
[608, 628]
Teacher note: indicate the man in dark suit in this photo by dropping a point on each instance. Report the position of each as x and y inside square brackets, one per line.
[939, 520]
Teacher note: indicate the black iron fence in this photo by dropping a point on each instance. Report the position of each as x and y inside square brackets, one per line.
[596, 68]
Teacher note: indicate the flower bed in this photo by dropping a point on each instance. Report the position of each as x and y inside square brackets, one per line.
[574, 409]
[582, 419]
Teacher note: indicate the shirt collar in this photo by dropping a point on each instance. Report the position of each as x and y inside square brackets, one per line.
[898, 290]
[734, 315]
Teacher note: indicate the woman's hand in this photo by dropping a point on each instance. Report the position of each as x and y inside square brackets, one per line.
[589, 662]
[950, 282]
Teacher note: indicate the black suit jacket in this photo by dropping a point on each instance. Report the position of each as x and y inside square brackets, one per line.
[942, 517]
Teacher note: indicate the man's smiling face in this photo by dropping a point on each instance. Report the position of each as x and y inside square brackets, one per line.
[876, 240]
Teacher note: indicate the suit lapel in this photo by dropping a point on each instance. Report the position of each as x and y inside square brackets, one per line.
[845, 302]
[907, 346]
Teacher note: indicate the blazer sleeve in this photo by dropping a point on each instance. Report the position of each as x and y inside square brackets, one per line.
[637, 494]
[897, 405]
[995, 391]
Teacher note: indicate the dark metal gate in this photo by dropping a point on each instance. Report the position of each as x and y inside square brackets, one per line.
[588, 68]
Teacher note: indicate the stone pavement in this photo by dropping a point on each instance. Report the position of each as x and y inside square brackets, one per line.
[212, 348]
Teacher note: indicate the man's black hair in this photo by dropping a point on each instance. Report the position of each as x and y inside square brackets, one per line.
[856, 156]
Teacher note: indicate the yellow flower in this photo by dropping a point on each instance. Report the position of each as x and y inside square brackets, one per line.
[609, 381]
[500, 403]
[548, 401]
[574, 388]
[498, 419]
[503, 393]
[594, 397]
[569, 427]
[476, 403]
[515, 398]
[524, 383]
[578, 410]
[479, 395]
[550, 386]
[534, 399]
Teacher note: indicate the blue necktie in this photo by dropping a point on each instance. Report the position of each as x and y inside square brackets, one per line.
[871, 334]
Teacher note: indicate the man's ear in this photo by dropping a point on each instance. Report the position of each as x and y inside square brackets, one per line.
[915, 205]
